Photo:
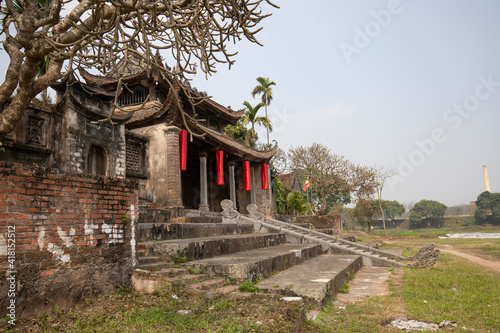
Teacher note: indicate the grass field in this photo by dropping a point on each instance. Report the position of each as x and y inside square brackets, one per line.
[456, 289]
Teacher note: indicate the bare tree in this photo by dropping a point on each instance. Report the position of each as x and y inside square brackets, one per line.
[381, 176]
[98, 35]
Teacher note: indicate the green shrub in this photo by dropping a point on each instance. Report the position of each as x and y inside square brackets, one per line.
[248, 286]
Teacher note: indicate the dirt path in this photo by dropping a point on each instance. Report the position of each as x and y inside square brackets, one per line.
[494, 265]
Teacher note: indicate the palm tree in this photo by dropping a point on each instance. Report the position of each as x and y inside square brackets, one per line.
[266, 90]
[250, 116]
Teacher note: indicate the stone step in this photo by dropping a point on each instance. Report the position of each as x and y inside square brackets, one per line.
[203, 219]
[315, 280]
[151, 281]
[211, 284]
[166, 231]
[263, 262]
[147, 260]
[156, 266]
[200, 248]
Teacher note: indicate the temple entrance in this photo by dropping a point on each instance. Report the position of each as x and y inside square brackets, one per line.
[191, 188]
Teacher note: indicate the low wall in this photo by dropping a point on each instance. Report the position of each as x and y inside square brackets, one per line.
[62, 236]
[323, 222]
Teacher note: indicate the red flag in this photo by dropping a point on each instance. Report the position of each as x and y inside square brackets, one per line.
[183, 149]
[247, 186]
[219, 154]
[263, 176]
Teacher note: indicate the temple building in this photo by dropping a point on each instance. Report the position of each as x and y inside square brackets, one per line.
[184, 164]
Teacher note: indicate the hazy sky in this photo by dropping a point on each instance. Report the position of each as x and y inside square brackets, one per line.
[408, 85]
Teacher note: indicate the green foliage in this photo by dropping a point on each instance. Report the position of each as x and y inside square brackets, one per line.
[344, 288]
[297, 203]
[250, 117]
[365, 212]
[1, 148]
[248, 286]
[238, 132]
[392, 209]
[178, 259]
[280, 196]
[264, 88]
[427, 213]
[488, 204]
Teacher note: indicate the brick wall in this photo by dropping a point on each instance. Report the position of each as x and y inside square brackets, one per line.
[74, 235]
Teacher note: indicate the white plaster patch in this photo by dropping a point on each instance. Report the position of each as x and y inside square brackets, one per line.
[114, 233]
[132, 236]
[57, 252]
[41, 238]
[3, 245]
[321, 280]
[67, 240]
[89, 232]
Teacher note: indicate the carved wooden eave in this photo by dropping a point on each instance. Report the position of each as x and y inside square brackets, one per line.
[109, 83]
[93, 111]
[153, 113]
[220, 141]
[211, 107]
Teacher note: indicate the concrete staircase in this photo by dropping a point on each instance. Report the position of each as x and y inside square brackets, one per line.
[297, 234]
[209, 258]
[228, 254]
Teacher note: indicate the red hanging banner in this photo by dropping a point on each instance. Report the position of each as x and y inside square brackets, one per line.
[183, 149]
[247, 186]
[219, 154]
[263, 176]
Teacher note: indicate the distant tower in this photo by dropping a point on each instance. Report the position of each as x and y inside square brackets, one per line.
[486, 179]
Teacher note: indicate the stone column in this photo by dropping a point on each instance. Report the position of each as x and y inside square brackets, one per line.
[253, 198]
[174, 188]
[203, 183]
[232, 184]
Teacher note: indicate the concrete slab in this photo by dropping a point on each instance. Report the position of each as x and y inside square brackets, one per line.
[369, 281]
[315, 280]
[263, 262]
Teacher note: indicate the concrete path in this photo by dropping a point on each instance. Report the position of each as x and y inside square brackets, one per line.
[369, 281]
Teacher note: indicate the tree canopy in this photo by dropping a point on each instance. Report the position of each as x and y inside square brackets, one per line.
[98, 35]
[265, 89]
[393, 209]
[365, 212]
[427, 213]
[250, 117]
[330, 173]
[488, 204]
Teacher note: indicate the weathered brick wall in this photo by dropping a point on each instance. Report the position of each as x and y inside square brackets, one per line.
[74, 235]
